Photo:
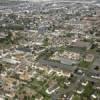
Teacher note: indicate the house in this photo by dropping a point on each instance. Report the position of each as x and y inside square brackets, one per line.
[10, 84]
[66, 57]
[25, 76]
[3, 35]
[80, 91]
[84, 83]
[93, 96]
[81, 44]
[53, 87]
[1, 98]
[89, 58]
[68, 61]
[24, 49]
[51, 90]
[11, 61]
[67, 83]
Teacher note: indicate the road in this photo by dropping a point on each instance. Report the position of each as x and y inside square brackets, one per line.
[55, 64]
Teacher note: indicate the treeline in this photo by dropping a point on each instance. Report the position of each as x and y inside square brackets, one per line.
[12, 27]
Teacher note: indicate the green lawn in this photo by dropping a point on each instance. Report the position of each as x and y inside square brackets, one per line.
[84, 64]
[76, 97]
[88, 90]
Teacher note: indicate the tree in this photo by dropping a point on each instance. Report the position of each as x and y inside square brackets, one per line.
[1, 68]
[15, 97]
[46, 41]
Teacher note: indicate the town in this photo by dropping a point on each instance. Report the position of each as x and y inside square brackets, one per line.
[50, 50]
